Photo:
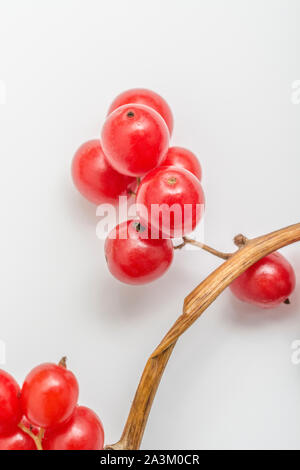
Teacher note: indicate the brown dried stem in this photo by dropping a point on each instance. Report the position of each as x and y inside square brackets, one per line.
[249, 252]
[204, 247]
[37, 439]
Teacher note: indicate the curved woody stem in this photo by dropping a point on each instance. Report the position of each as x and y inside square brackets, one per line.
[249, 252]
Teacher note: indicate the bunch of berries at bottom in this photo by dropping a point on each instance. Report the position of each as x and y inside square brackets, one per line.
[44, 414]
[134, 158]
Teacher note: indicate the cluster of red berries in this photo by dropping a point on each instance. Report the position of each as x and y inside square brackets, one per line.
[44, 414]
[133, 156]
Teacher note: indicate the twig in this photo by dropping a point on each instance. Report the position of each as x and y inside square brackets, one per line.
[211, 250]
[194, 305]
[37, 439]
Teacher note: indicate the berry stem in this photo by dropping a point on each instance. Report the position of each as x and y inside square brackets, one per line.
[63, 362]
[37, 439]
[134, 193]
[204, 247]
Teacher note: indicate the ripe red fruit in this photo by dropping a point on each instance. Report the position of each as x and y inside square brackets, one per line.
[173, 201]
[134, 259]
[83, 431]
[183, 158]
[10, 403]
[49, 395]
[145, 97]
[135, 139]
[17, 440]
[267, 283]
[94, 177]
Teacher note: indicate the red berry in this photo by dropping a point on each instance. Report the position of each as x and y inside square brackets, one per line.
[17, 440]
[183, 158]
[267, 283]
[10, 403]
[49, 395]
[134, 259]
[83, 431]
[173, 201]
[148, 98]
[94, 178]
[135, 139]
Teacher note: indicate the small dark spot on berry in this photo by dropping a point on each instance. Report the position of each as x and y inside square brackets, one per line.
[139, 227]
[130, 114]
[172, 180]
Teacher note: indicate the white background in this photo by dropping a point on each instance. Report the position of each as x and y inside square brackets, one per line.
[226, 68]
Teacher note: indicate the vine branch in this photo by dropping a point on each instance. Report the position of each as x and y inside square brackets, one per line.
[249, 252]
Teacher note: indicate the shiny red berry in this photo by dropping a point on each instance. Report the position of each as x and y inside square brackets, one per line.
[95, 178]
[172, 200]
[183, 158]
[10, 404]
[83, 431]
[49, 395]
[133, 258]
[17, 440]
[135, 139]
[148, 98]
[267, 283]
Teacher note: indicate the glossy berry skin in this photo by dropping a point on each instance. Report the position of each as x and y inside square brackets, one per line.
[267, 283]
[147, 98]
[95, 178]
[167, 188]
[183, 158]
[83, 431]
[10, 403]
[135, 139]
[49, 395]
[17, 440]
[133, 258]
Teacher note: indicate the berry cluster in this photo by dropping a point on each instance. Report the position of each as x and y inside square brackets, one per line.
[134, 157]
[44, 414]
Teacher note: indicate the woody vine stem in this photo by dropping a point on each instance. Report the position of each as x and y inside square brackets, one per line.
[248, 253]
